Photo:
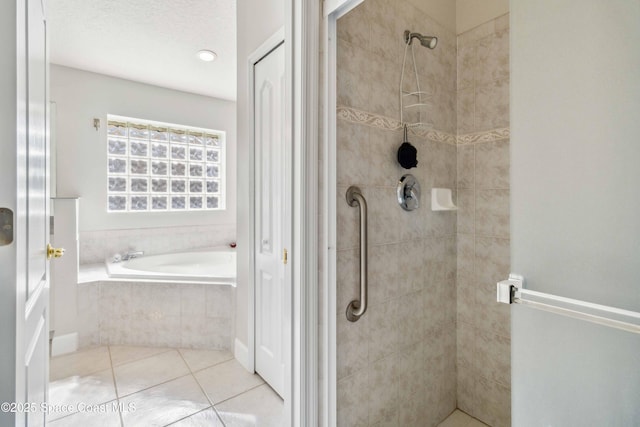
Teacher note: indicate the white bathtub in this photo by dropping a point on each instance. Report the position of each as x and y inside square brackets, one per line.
[208, 266]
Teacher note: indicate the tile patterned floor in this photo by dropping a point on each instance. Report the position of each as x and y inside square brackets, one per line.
[127, 386]
[460, 419]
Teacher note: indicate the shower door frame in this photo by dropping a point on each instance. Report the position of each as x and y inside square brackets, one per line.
[334, 9]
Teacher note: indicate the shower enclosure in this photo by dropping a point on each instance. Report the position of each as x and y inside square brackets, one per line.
[422, 347]
[397, 364]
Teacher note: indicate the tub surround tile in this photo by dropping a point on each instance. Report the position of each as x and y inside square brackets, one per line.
[206, 332]
[193, 300]
[155, 300]
[147, 314]
[96, 246]
[219, 300]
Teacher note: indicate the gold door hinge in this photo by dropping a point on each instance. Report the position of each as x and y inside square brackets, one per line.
[285, 256]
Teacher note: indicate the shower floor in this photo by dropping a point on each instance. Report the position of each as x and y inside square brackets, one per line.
[124, 386]
[460, 419]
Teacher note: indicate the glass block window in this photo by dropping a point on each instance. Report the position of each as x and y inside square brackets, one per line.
[161, 167]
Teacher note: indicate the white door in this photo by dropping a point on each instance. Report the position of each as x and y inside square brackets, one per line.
[27, 323]
[272, 216]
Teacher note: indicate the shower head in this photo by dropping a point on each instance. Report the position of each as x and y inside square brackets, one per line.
[426, 41]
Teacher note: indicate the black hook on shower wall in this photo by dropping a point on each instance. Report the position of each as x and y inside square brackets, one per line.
[407, 153]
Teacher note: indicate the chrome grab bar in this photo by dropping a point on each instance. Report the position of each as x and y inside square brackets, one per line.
[357, 308]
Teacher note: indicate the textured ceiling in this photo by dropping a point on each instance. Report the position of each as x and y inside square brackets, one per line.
[150, 41]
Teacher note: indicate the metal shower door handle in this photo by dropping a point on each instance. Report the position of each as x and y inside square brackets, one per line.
[357, 308]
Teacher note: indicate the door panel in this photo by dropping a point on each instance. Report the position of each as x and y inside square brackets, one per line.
[575, 103]
[24, 325]
[271, 216]
[36, 181]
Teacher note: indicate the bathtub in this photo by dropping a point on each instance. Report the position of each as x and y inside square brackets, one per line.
[215, 266]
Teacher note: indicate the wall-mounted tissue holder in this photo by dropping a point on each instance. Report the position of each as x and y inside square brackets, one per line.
[441, 200]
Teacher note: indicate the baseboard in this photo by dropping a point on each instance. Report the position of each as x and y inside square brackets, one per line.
[64, 344]
[241, 353]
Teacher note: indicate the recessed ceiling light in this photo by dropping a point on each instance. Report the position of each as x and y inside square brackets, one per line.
[207, 55]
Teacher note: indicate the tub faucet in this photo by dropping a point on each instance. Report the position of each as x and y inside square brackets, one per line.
[130, 255]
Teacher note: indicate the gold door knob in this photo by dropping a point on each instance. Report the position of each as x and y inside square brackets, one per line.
[54, 252]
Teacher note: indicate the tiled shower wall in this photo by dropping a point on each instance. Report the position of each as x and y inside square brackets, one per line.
[396, 365]
[483, 329]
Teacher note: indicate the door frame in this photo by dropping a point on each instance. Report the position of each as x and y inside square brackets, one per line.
[334, 9]
[301, 36]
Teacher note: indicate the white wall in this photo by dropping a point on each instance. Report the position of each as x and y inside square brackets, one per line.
[81, 162]
[257, 21]
[575, 207]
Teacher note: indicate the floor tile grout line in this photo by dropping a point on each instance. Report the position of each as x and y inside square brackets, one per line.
[155, 385]
[196, 379]
[165, 350]
[115, 386]
[76, 353]
[189, 416]
[202, 388]
[240, 394]
[78, 412]
[206, 367]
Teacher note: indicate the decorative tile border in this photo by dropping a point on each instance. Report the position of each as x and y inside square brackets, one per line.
[353, 115]
[484, 136]
[364, 118]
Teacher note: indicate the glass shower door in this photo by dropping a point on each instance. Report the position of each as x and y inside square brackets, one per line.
[575, 208]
